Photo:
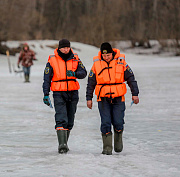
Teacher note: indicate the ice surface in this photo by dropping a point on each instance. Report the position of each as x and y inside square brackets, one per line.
[28, 142]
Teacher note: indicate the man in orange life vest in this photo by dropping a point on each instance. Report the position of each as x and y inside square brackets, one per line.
[107, 77]
[60, 74]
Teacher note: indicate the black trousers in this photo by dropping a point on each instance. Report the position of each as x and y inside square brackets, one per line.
[112, 113]
[65, 104]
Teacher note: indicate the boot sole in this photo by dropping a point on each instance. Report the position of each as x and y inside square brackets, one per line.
[62, 151]
[118, 150]
[107, 153]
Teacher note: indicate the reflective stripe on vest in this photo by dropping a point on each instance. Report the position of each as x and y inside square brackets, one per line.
[96, 60]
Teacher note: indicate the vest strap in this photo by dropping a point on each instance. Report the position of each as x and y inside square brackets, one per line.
[104, 69]
[65, 80]
[105, 85]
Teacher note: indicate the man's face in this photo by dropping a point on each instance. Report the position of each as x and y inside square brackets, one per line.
[25, 48]
[65, 50]
[107, 57]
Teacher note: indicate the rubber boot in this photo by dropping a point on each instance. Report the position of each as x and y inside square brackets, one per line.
[26, 78]
[107, 144]
[68, 133]
[118, 143]
[62, 139]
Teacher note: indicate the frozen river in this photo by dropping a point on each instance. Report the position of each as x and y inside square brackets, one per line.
[28, 142]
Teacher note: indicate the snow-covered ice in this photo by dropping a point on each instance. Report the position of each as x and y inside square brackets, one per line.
[28, 142]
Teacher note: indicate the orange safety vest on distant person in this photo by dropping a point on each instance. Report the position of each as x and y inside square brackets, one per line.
[61, 82]
[110, 78]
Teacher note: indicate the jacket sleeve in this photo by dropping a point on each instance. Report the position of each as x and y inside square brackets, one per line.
[48, 74]
[20, 57]
[80, 72]
[91, 84]
[132, 83]
[33, 56]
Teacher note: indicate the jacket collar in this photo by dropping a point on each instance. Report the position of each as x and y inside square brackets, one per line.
[57, 55]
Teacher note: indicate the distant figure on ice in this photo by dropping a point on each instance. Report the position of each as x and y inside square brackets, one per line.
[26, 58]
[60, 74]
[107, 77]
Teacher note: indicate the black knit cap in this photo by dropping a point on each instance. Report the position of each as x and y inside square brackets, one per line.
[106, 48]
[63, 43]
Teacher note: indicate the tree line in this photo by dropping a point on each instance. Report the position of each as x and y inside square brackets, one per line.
[91, 21]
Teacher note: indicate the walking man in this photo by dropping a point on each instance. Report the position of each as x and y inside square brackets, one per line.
[26, 58]
[107, 76]
[60, 74]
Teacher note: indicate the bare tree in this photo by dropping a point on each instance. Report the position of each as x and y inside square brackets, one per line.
[90, 21]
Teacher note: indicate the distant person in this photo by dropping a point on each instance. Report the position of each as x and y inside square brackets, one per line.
[107, 77]
[26, 58]
[60, 75]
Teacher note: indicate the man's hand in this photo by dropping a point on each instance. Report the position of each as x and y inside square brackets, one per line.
[47, 101]
[70, 73]
[18, 66]
[89, 104]
[135, 99]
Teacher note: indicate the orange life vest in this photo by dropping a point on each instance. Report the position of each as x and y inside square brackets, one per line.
[61, 82]
[110, 78]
